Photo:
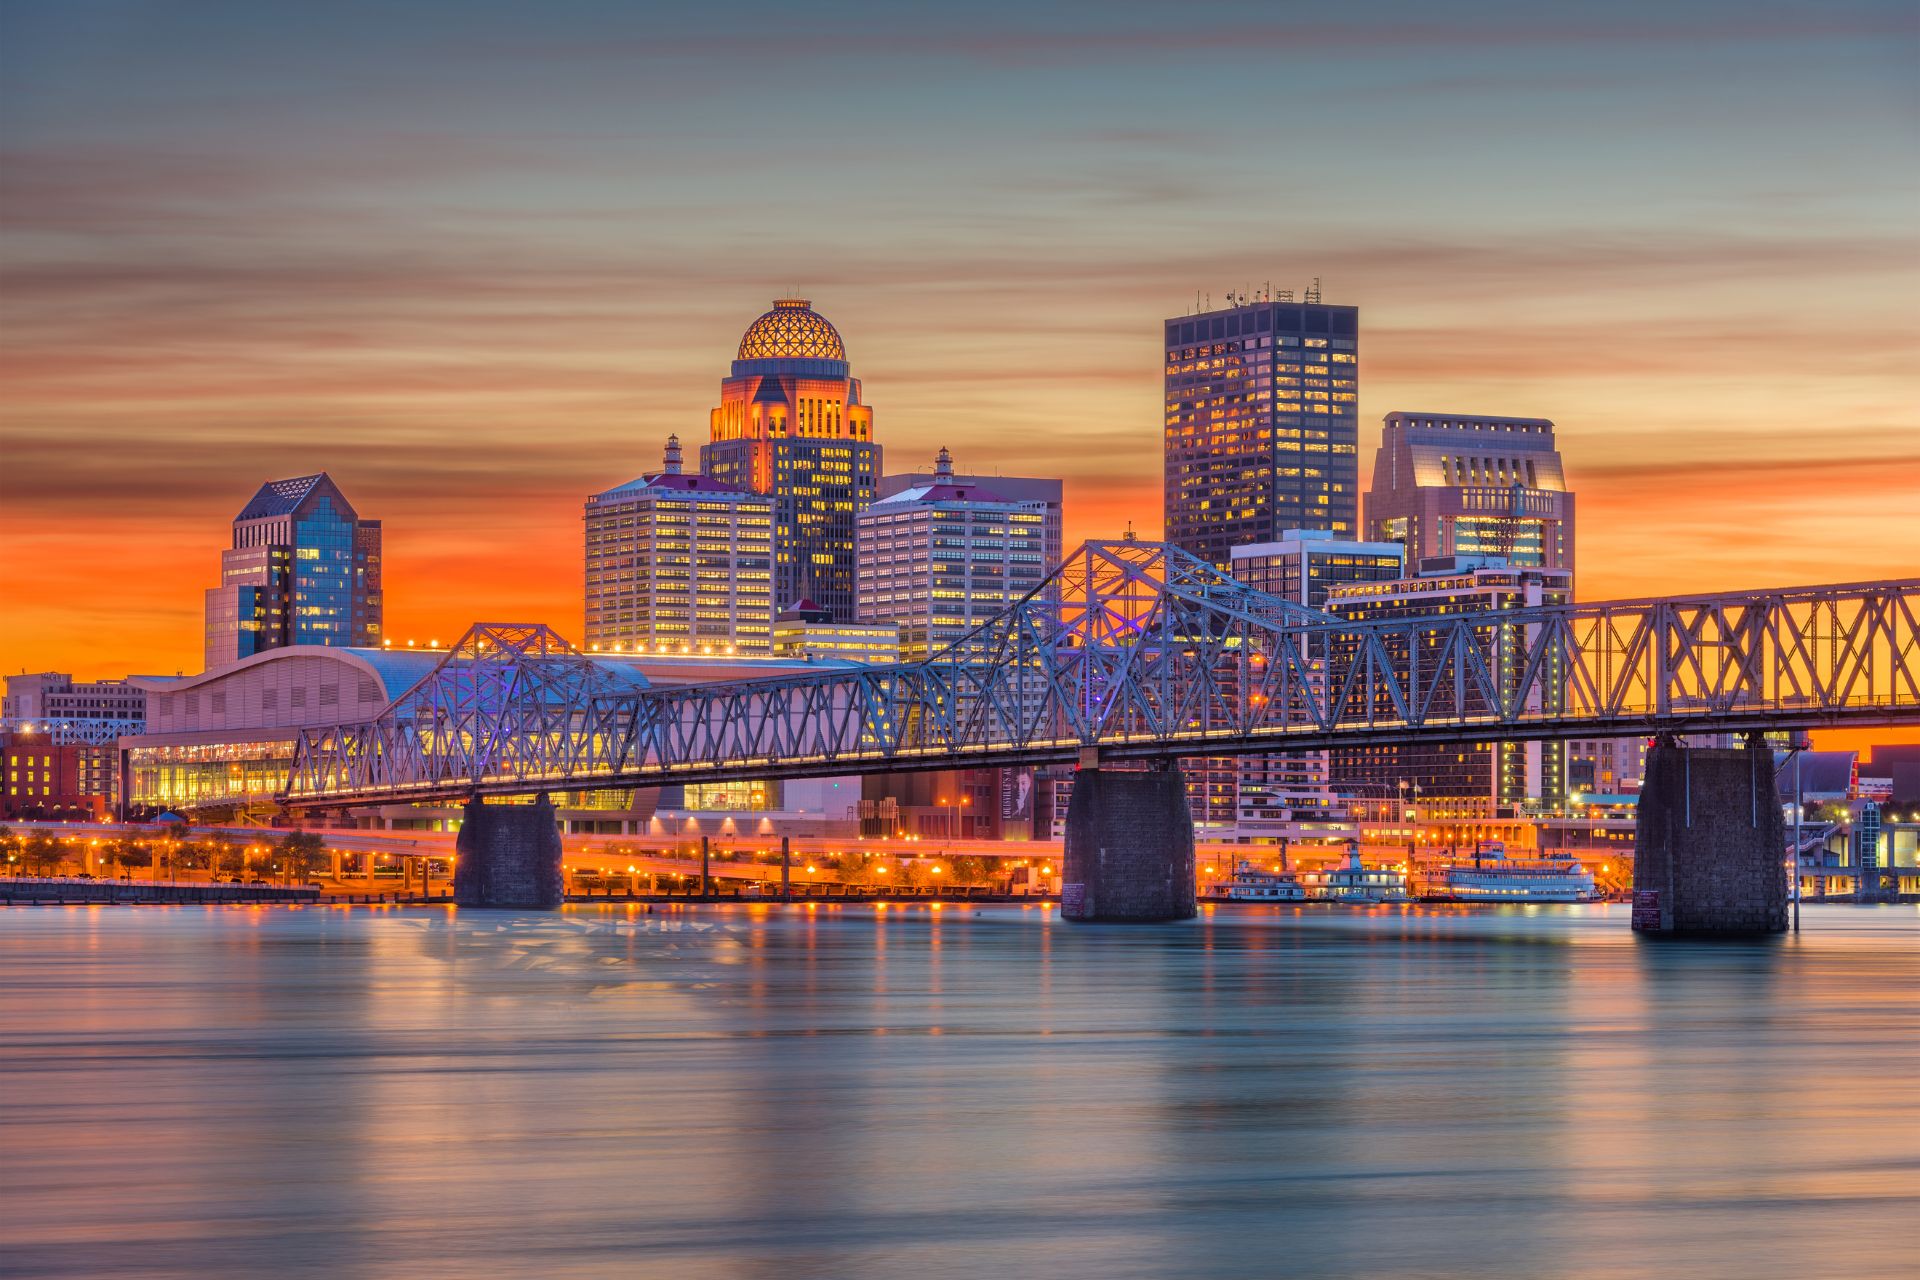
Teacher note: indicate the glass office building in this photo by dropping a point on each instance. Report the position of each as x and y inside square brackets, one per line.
[303, 569]
[1262, 423]
[791, 425]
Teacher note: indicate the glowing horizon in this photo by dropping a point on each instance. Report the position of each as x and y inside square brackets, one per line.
[478, 276]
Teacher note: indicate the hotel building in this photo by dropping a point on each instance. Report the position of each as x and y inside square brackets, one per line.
[791, 425]
[1048, 493]
[679, 562]
[304, 569]
[942, 558]
[1262, 423]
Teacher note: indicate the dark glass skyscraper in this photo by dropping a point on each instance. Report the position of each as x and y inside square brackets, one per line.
[790, 424]
[1262, 423]
[303, 569]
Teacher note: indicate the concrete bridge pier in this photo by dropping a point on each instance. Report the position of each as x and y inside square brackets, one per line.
[1709, 855]
[508, 855]
[1129, 847]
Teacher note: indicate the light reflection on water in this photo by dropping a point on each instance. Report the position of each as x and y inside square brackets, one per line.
[956, 1091]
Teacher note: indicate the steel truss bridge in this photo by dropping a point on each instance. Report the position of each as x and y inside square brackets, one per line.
[1136, 650]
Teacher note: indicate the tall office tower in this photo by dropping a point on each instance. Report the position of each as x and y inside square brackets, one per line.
[1286, 793]
[1262, 423]
[790, 425]
[1454, 782]
[1446, 484]
[1050, 494]
[941, 558]
[679, 561]
[304, 569]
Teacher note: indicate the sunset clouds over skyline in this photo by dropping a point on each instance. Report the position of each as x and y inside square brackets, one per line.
[479, 260]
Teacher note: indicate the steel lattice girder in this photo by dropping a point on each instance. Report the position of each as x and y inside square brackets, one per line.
[1138, 649]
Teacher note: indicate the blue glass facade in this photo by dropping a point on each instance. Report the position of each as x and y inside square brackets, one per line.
[303, 569]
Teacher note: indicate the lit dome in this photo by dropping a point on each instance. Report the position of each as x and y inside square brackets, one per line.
[792, 331]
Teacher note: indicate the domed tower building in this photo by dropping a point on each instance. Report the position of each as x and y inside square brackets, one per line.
[790, 425]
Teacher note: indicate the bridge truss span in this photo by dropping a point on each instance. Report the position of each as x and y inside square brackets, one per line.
[1137, 650]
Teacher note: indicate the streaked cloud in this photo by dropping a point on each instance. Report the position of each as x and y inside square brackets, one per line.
[479, 273]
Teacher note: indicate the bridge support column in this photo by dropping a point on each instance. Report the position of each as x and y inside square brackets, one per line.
[1129, 854]
[1709, 851]
[508, 856]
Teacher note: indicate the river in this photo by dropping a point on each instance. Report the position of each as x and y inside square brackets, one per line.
[921, 1091]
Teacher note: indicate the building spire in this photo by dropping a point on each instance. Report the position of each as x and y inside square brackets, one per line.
[943, 465]
[673, 455]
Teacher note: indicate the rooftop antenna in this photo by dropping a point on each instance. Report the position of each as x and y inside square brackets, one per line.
[1313, 290]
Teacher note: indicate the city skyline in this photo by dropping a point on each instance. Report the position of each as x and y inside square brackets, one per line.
[459, 297]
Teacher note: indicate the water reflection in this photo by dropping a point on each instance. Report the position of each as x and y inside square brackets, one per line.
[872, 1091]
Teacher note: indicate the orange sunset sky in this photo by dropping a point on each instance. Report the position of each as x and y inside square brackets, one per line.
[477, 276]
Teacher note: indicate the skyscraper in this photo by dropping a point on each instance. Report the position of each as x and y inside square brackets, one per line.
[1448, 484]
[790, 425]
[304, 568]
[676, 560]
[941, 558]
[1262, 423]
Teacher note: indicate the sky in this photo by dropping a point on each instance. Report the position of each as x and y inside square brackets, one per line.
[478, 260]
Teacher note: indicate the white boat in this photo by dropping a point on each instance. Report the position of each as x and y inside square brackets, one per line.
[1252, 884]
[1354, 881]
[1494, 877]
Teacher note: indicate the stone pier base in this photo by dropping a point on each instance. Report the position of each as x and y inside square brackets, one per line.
[508, 855]
[1129, 854]
[1709, 855]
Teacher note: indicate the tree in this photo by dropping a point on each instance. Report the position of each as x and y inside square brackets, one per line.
[42, 851]
[125, 852]
[968, 869]
[302, 853]
[227, 856]
[7, 842]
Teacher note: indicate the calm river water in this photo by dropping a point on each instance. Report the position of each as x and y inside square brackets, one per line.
[957, 1091]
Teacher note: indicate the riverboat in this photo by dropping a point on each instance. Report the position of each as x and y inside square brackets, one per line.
[1354, 881]
[1252, 884]
[1494, 877]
